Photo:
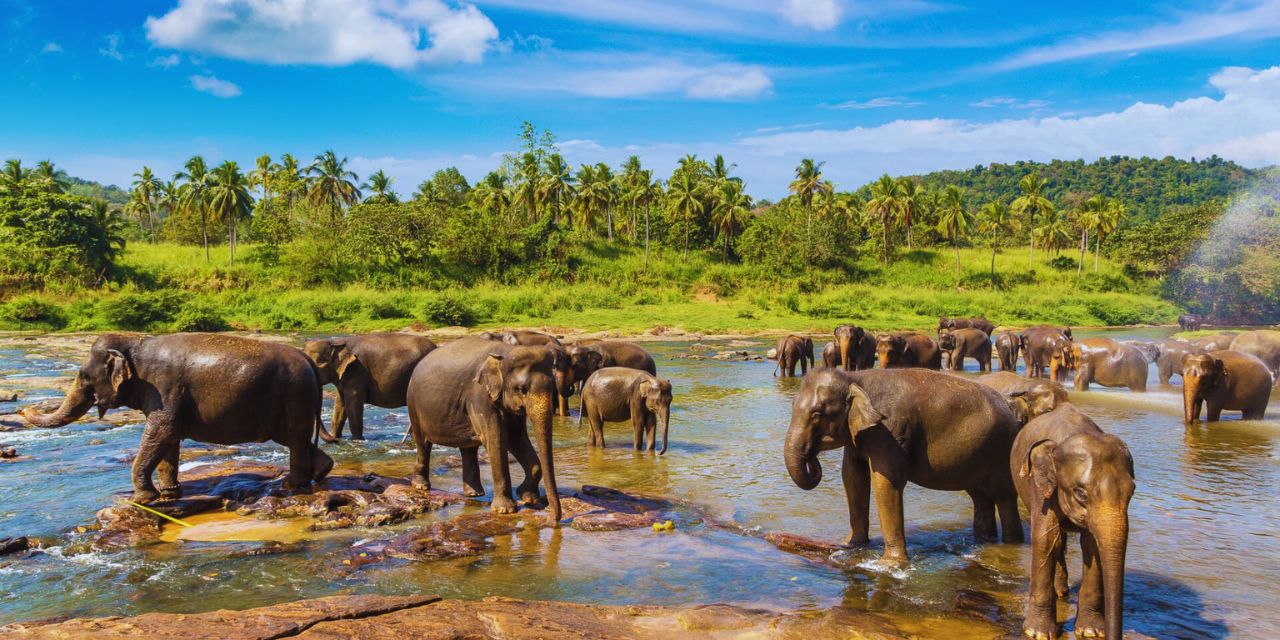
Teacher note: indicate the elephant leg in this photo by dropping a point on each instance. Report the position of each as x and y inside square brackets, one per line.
[471, 485]
[984, 517]
[339, 415]
[1040, 620]
[596, 437]
[1214, 410]
[1083, 377]
[856, 475]
[639, 425]
[1090, 618]
[321, 463]
[421, 477]
[157, 438]
[1061, 580]
[527, 456]
[495, 441]
[888, 492]
[353, 403]
[170, 489]
[651, 424]
[1010, 521]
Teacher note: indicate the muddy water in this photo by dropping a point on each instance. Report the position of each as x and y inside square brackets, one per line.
[1204, 559]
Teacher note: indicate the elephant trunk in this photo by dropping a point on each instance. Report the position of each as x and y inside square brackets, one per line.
[1112, 541]
[664, 414]
[540, 414]
[845, 344]
[884, 359]
[802, 459]
[1191, 398]
[78, 401]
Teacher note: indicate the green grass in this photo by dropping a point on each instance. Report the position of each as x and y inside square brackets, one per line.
[173, 287]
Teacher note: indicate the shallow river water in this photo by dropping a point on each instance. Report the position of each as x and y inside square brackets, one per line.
[1204, 554]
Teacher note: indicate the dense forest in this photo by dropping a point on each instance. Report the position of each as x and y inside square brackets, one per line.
[536, 219]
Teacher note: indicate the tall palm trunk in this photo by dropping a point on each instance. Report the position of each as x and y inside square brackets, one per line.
[646, 236]
[1084, 246]
[204, 232]
[1031, 233]
[232, 239]
[993, 259]
[1097, 249]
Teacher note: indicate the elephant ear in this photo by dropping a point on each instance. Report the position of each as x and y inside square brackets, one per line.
[341, 356]
[595, 359]
[510, 338]
[490, 376]
[1220, 369]
[646, 385]
[119, 369]
[1042, 467]
[862, 415]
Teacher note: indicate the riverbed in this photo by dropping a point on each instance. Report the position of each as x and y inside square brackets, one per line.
[1204, 553]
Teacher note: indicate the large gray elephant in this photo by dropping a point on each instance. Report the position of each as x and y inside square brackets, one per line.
[1074, 477]
[1169, 361]
[615, 394]
[966, 343]
[369, 369]
[1225, 380]
[1217, 342]
[976, 322]
[1110, 364]
[936, 430]
[205, 387]
[474, 392]
[1028, 398]
[1264, 344]
[587, 356]
[1008, 344]
[853, 348]
[793, 350]
[1047, 346]
[561, 362]
[907, 349]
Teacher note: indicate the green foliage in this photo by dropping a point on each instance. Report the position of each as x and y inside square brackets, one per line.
[31, 312]
[143, 311]
[55, 239]
[449, 309]
[1063, 263]
[200, 317]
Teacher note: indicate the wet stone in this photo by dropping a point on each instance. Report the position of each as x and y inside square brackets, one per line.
[9, 546]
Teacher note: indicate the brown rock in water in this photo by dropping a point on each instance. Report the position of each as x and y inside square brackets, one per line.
[9, 546]
[792, 543]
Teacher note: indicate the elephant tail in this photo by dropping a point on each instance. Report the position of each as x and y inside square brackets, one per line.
[582, 405]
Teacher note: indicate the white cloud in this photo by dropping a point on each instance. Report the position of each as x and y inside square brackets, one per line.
[215, 86]
[1013, 103]
[393, 33]
[166, 62]
[874, 103]
[112, 50]
[1258, 19]
[51, 47]
[819, 15]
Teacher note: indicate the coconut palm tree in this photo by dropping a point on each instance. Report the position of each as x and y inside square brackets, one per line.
[1108, 219]
[50, 178]
[731, 211]
[138, 208]
[1032, 202]
[13, 174]
[886, 195]
[1088, 218]
[146, 189]
[910, 205]
[194, 194]
[493, 193]
[647, 191]
[332, 187]
[379, 187]
[260, 177]
[628, 183]
[995, 220]
[557, 184]
[528, 174]
[288, 181]
[229, 199]
[606, 194]
[104, 249]
[684, 195]
[1054, 234]
[808, 182]
[586, 196]
[954, 219]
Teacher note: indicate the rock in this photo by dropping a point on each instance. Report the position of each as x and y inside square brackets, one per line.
[9, 546]
[10, 454]
[96, 441]
[771, 354]
[8, 396]
[698, 346]
[792, 543]
[269, 549]
[731, 355]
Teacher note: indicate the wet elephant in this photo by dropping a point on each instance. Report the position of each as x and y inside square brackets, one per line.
[586, 356]
[1008, 344]
[933, 429]
[853, 348]
[976, 322]
[1169, 362]
[907, 349]
[1110, 364]
[474, 392]
[1217, 342]
[1264, 344]
[966, 343]
[1219, 380]
[205, 387]
[1047, 346]
[369, 369]
[1190, 322]
[1028, 398]
[615, 394]
[561, 362]
[794, 350]
[1073, 477]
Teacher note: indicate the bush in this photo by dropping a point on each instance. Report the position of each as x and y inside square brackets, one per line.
[449, 310]
[1063, 263]
[30, 312]
[200, 317]
[142, 311]
[387, 310]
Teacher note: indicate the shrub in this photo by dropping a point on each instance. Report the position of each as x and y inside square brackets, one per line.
[1063, 263]
[387, 310]
[449, 309]
[142, 311]
[30, 312]
[200, 317]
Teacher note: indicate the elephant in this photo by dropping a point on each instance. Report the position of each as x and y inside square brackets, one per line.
[937, 430]
[967, 343]
[1109, 363]
[853, 348]
[1028, 398]
[1149, 350]
[1225, 380]
[618, 393]
[976, 322]
[1169, 362]
[1074, 477]
[1047, 346]
[586, 356]
[907, 349]
[561, 363]
[1218, 341]
[205, 387]
[1190, 322]
[793, 350]
[1008, 344]
[473, 392]
[1264, 344]
[369, 369]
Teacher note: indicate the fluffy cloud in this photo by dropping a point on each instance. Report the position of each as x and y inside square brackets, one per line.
[394, 33]
[874, 103]
[1014, 103]
[620, 76]
[815, 14]
[215, 86]
[166, 62]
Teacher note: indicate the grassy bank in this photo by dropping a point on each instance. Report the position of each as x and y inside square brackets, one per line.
[172, 287]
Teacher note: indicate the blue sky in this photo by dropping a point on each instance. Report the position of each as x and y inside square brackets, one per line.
[411, 86]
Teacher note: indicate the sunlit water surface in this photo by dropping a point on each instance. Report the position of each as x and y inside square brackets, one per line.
[1204, 556]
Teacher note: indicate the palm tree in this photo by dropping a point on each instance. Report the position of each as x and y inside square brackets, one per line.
[731, 211]
[910, 204]
[996, 219]
[885, 197]
[332, 187]
[493, 193]
[557, 183]
[13, 174]
[229, 199]
[194, 195]
[146, 188]
[954, 220]
[528, 179]
[260, 177]
[807, 183]
[1089, 217]
[684, 195]
[629, 182]
[606, 196]
[104, 249]
[1108, 220]
[586, 196]
[1054, 234]
[379, 185]
[138, 208]
[1032, 202]
[647, 190]
[50, 178]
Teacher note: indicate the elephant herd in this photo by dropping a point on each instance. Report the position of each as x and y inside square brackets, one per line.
[1002, 437]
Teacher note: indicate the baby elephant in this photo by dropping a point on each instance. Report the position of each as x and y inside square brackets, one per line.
[616, 394]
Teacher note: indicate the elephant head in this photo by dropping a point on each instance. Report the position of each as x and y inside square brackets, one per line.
[847, 339]
[522, 383]
[1062, 360]
[1201, 374]
[584, 361]
[1030, 403]
[890, 347]
[331, 356]
[102, 380]
[1090, 478]
[827, 413]
[947, 341]
[657, 399]
[562, 370]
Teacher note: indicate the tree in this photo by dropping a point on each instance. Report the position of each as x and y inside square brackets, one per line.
[229, 199]
[379, 186]
[954, 219]
[586, 196]
[13, 175]
[647, 190]
[528, 180]
[146, 189]
[885, 199]
[557, 184]
[731, 213]
[606, 194]
[1088, 218]
[996, 220]
[493, 193]
[1108, 220]
[1032, 202]
[50, 178]
[684, 196]
[260, 177]
[807, 183]
[194, 194]
[333, 187]
[910, 203]
[447, 186]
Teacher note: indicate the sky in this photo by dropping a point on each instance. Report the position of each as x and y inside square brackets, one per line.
[412, 86]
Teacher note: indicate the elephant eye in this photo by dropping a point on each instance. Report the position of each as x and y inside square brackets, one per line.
[1081, 495]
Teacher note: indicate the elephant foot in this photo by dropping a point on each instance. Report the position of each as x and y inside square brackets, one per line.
[295, 482]
[472, 492]
[419, 481]
[322, 464]
[857, 540]
[502, 504]
[895, 559]
[530, 497]
[171, 493]
[1046, 629]
[145, 496]
[1090, 624]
